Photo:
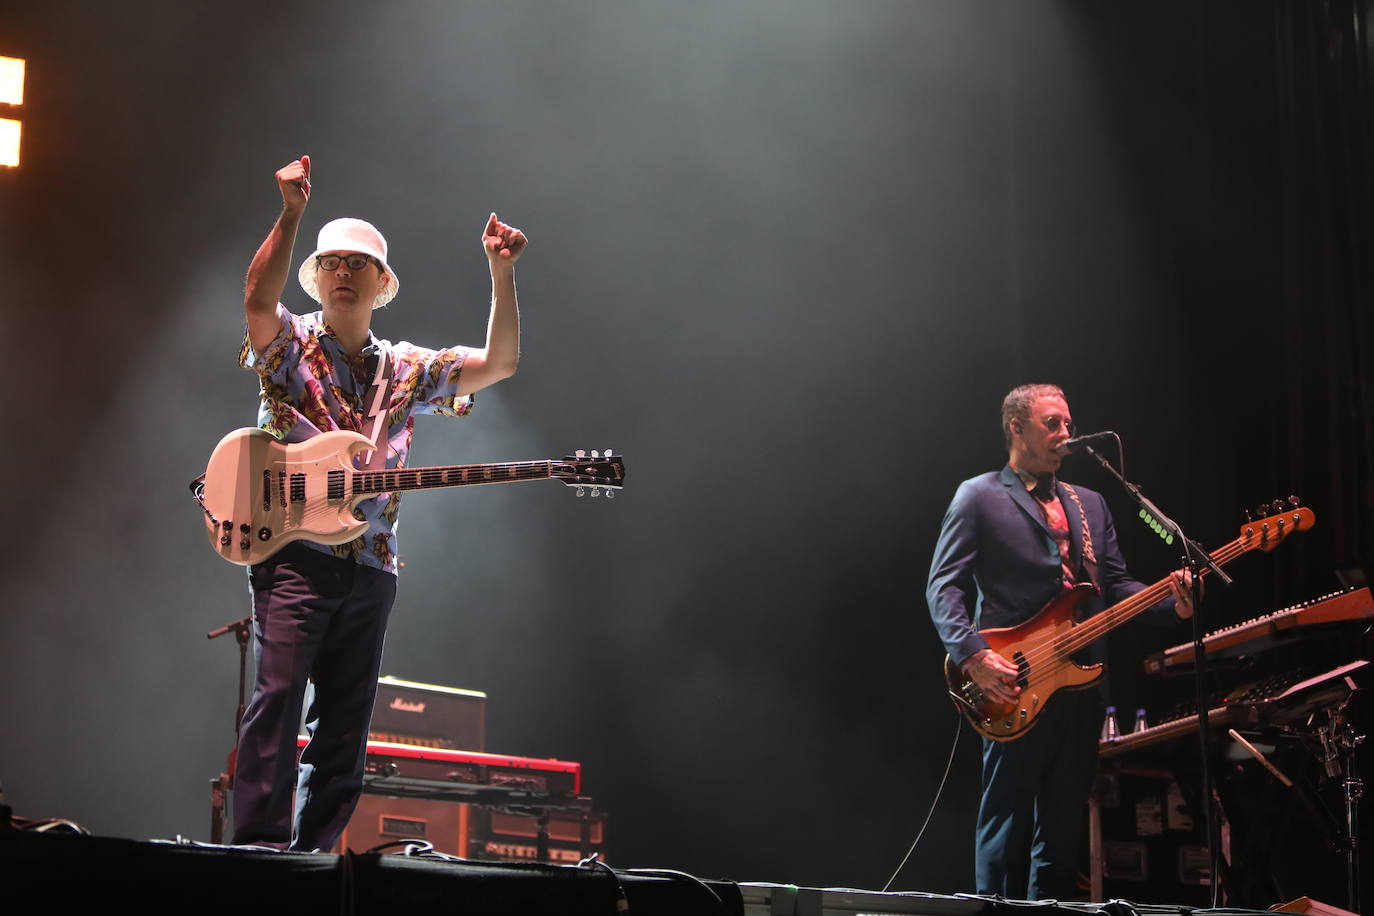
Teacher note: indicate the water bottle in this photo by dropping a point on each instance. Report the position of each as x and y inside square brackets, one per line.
[1110, 730]
[1140, 723]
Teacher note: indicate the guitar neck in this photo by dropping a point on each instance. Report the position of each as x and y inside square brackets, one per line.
[1099, 625]
[367, 483]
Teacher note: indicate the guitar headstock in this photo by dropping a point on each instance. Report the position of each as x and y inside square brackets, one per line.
[1266, 532]
[599, 472]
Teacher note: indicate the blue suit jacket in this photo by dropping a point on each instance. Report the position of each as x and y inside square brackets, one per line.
[996, 563]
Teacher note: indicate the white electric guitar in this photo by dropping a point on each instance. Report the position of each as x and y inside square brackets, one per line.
[259, 493]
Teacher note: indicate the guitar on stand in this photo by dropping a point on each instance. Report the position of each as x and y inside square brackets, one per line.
[259, 493]
[1042, 647]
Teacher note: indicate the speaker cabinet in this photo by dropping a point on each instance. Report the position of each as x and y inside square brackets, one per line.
[570, 836]
[382, 819]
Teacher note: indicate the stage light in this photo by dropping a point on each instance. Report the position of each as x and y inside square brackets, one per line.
[11, 93]
[12, 80]
[9, 142]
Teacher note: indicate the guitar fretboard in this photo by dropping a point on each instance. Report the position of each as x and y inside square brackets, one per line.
[458, 475]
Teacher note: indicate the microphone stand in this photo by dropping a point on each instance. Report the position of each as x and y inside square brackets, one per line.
[241, 629]
[1198, 563]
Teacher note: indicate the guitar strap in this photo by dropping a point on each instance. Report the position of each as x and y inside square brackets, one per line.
[378, 404]
[1089, 557]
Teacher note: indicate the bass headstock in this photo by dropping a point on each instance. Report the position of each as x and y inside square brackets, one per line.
[598, 472]
[1276, 521]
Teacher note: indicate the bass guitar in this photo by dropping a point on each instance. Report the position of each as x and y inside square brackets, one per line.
[259, 493]
[1042, 647]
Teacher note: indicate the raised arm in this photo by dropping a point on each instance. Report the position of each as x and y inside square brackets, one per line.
[268, 272]
[497, 360]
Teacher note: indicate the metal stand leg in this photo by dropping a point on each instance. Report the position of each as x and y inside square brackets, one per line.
[1354, 791]
[541, 841]
[1095, 843]
[218, 785]
[1338, 743]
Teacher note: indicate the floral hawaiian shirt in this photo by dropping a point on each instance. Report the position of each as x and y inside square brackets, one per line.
[310, 385]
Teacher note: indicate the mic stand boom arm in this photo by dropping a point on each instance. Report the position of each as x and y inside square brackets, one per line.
[1194, 554]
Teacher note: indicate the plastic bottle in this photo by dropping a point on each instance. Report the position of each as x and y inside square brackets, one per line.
[1110, 730]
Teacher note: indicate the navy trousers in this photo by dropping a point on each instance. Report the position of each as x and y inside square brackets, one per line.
[316, 620]
[1035, 796]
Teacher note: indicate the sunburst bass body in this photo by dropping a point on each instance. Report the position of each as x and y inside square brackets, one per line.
[1036, 648]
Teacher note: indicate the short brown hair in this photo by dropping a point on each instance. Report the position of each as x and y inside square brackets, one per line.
[1017, 405]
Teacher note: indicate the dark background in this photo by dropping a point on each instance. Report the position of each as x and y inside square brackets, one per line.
[786, 257]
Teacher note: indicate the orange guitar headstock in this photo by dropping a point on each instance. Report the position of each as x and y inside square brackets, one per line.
[1269, 530]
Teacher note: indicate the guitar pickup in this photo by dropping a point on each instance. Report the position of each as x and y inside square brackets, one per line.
[1022, 669]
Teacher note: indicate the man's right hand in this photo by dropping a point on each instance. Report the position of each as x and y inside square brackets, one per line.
[994, 674]
[293, 181]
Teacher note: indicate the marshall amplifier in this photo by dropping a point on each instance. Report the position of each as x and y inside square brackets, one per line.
[427, 715]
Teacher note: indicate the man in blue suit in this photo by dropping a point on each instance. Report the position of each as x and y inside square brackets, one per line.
[1011, 541]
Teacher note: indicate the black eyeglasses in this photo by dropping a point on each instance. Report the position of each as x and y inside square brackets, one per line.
[1053, 422]
[354, 261]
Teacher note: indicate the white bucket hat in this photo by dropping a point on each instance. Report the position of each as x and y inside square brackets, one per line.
[348, 234]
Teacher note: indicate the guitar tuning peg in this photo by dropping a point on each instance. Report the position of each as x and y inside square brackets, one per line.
[595, 491]
[1277, 506]
[607, 453]
[581, 492]
[1261, 510]
[595, 453]
[1249, 517]
[610, 494]
[581, 453]
[1294, 502]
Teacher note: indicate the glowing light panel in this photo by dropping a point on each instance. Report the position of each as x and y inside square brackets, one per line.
[12, 80]
[9, 142]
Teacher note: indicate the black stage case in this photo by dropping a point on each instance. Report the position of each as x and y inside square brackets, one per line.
[65, 873]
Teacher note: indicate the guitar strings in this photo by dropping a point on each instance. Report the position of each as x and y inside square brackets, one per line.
[1095, 627]
[400, 479]
[1050, 657]
[424, 478]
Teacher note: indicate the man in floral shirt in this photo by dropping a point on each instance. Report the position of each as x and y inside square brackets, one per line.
[320, 612]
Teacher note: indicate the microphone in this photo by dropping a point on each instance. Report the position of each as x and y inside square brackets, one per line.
[1078, 443]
